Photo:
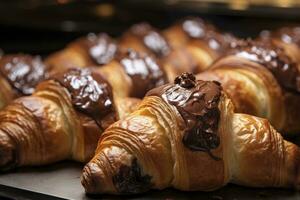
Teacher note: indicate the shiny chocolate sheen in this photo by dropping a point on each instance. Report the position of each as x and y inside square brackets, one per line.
[151, 38]
[288, 35]
[129, 179]
[144, 71]
[273, 58]
[90, 94]
[23, 72]
[101, 48]
[197, 102]
[196, 28]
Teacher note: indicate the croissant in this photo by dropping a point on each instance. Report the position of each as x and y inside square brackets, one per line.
[62, 119]
[19, 74]
[92, 50]
[262, 80]
[190, 45]
[133, 73]
[287, 38]
[187, 136]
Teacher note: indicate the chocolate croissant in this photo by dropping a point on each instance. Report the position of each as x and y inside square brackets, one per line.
[132, 73]
[187, 136]
[62, 119]
[287, 38]
[92, 50]
[190, 45]
[262, 80]
[19, 74]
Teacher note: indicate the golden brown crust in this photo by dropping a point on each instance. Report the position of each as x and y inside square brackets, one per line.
[45, 128]
[258, 144]
[254, 90]
[65, 59]
[145, 150]
[7, 93]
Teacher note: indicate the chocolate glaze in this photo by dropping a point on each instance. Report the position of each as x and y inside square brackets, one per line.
[197, 102]
[151, 38]
[144, 71]
[23, 72]
[273, 58]
[288, 35]
[101, 48]
[90, 94]
[196, 28]
[129, 179]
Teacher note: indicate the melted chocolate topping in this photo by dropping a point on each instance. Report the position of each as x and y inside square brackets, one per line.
[23, 72]
[90, 93]
[288, 35]
[151, 38]
[197, 102]
[129, 179]
[144, 71]
[271, 57]
[101, 48]
[196, 28]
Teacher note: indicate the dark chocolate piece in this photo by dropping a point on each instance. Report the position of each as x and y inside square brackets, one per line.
[273, 58]
[23, 72]
[197, 102]
[129, 179]
[101, 48]
[151, 38]
[144, 71]
[90, 94]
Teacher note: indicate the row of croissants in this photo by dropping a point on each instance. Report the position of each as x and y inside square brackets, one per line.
[133, 111]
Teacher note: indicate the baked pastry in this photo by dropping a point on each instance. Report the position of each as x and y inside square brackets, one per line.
[132, 73]
[288, 38]
[62, 119]
[262, 80]
[189, 46]
[19, 74]
[187, 136]
[91, 50]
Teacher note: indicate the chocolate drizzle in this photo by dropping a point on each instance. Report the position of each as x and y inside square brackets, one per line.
[129, 179]
[101, 48]
[197, 102]
[151, 38]
[273, 58]
[23, 72]
[90, 94]
[196, 28]
[144, 71]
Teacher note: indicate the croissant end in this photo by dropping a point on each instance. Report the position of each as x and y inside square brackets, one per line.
[7, 152]
[92, 179]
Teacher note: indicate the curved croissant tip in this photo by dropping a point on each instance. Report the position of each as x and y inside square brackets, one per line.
[92, 179]
[7, 158]
[86, 179]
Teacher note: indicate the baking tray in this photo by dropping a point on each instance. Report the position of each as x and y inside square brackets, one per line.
[62, 181]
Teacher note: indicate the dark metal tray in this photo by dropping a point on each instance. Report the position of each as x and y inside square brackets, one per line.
[62, 181]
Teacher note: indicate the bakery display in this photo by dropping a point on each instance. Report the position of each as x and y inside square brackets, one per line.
[187, 107]
[186, 135]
